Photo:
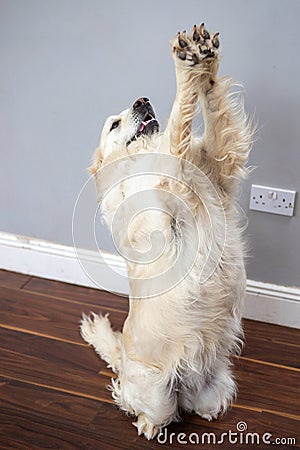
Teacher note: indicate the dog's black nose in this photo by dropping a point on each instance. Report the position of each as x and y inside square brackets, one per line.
[140, 101]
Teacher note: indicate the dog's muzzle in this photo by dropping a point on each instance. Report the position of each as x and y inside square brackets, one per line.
[144, 117]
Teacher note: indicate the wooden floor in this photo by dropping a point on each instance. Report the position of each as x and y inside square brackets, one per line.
[53, 386]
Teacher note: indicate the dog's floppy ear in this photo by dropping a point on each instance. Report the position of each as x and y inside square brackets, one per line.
[97, 161]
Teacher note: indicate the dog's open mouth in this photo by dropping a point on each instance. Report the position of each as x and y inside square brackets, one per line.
[147, 123]
[148, 126]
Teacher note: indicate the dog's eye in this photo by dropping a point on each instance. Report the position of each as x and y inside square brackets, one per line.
[115, 125]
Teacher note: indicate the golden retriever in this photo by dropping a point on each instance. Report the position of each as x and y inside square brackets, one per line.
[168, 198]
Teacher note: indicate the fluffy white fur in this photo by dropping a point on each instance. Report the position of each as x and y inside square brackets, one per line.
[174, 352]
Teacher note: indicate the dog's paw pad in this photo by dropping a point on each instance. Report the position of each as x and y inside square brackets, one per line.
[144, 426]
[199, 46]
[207, 44]
[182, 39]
[182, 47]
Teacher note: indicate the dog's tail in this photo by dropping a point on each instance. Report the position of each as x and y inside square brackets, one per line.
[96, 330]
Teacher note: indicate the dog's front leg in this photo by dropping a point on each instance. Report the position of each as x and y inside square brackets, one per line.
[228, 134]
[196, 65]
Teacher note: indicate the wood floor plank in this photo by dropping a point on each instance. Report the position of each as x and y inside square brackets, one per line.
[272, 343]
[268, 351]
[64, 414]
[91, 422]
[13, 279]
[266, 387]
[83, 295]
[272, 332]
[24, 398]
[46, 316]
[54, 364]
[32, 433]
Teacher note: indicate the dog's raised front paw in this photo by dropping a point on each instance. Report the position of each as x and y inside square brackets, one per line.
[200, 45]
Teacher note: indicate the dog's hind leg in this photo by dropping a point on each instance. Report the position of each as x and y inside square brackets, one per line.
[209, 395]
[143, 391]
[96, 330]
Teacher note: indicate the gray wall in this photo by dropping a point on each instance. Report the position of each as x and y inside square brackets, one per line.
[66, 65]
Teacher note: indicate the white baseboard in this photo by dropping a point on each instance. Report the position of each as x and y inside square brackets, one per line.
[31, 256]
[45, 259]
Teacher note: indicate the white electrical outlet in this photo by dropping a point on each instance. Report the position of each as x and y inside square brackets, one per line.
[272, 200]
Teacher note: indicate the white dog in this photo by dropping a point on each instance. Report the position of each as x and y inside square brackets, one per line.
[169, 198]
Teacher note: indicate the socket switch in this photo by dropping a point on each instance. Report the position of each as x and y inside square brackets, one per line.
[272, 200]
